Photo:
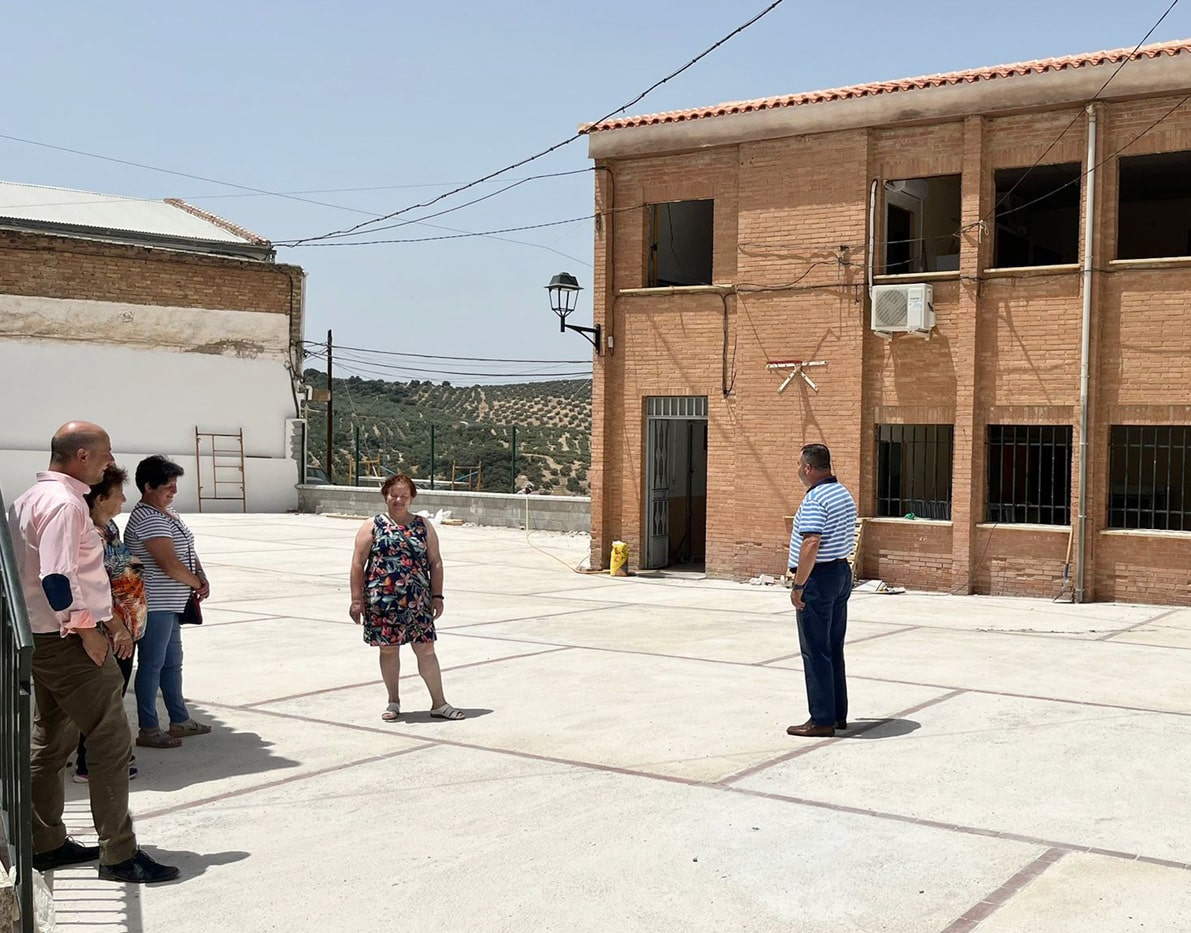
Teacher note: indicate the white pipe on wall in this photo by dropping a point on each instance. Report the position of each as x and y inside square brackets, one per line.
[1085, 354]
[872, 235]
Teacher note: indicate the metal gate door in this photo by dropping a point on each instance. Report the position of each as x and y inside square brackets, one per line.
[661, 411]
[658, 443]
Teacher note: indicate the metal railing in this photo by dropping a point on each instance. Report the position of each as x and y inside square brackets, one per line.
[16, 717]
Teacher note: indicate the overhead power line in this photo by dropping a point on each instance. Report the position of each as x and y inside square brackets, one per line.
[559, 145]
[456, 190]
[1038, 161]
[318, 352]
[413, 368]
[169, 171]
[363, 372]
[436, 356]
[290, 195]
[1108, 158]
[452, 236]
[450, 210]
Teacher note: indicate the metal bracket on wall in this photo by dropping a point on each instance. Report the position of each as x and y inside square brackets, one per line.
[797, 368]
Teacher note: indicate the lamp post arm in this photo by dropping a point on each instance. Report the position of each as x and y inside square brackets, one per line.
[593, 335]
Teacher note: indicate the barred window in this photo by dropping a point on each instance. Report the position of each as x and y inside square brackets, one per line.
[1149, 477]
[914, 469]
[1029, 474]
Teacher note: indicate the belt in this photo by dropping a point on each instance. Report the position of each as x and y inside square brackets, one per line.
[819, 563]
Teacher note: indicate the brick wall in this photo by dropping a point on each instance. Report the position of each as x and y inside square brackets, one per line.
[1147, 568]
[1020, 561]
[791, 231]
[913, 553]
[67, 267]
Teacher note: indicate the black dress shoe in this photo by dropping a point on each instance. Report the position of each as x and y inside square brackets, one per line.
[809, 730]
[69, 853]
[841, 725]
[140, 869]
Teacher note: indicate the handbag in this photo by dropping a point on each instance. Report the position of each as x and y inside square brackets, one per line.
[192, 614]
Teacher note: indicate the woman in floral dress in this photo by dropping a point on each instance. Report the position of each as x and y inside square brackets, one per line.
[396, 587]
[129, 607]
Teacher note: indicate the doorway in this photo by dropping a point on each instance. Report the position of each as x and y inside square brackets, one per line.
[676, 482]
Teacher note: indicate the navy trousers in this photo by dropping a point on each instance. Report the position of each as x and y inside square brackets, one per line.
[821, 629]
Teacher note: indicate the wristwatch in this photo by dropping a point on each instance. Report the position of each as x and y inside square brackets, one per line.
[798, 586]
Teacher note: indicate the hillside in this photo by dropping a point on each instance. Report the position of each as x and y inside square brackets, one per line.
[473, 431]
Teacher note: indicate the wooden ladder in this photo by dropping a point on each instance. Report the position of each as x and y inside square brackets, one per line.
[857, 538]
[220, 461]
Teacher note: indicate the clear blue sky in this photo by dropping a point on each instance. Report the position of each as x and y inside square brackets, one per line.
[308, 95]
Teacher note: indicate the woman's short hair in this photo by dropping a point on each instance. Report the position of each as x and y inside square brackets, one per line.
[156, 471]
[113, 478]
[400, 478]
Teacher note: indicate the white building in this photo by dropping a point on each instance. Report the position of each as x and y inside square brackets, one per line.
[163, 323]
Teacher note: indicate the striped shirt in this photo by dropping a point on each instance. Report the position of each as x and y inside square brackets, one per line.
[165, 594]
[829, 511]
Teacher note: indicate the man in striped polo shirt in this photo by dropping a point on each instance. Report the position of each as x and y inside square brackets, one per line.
[820, 545]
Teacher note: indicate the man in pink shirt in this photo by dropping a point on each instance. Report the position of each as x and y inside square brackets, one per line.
[76, 682]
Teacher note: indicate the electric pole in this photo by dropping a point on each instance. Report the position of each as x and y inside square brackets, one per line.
[330, 414]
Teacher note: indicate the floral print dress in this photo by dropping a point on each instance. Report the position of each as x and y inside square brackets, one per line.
[397, 608]
[127, 576]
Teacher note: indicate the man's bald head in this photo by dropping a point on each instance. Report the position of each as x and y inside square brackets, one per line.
[81, 449]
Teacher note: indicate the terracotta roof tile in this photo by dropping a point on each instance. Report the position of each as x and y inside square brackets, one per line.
[1041, 66]
[218, 221]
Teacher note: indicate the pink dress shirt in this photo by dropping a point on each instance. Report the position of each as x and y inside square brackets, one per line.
[53, 534]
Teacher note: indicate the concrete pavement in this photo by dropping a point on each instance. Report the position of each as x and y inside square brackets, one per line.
[1017, 765]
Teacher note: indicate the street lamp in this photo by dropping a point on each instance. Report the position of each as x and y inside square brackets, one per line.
[564, 291]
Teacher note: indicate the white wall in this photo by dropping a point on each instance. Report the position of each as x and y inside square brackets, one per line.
[185, 368]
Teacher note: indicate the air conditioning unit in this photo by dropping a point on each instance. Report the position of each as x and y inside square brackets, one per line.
[903, 309]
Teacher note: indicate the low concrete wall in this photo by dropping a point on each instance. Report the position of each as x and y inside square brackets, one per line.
[546, 513]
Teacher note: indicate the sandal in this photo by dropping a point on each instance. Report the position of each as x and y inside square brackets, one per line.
[190, 727]
[447, 711]
[392, 711]
[157, 739]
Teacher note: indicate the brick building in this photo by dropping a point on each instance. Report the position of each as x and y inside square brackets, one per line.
[928, 240]
[161, 322]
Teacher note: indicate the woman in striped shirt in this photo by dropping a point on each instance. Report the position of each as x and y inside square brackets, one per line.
[165, 545]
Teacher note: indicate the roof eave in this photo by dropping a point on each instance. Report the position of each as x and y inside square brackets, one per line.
[263, 252]
[1143, 77]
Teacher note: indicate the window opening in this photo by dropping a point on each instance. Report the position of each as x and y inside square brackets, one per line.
[1149, 477]
[680, 243]
[1037, 216]
[914, 470]
[1154, 219]
[922, 220]
[1029, 474]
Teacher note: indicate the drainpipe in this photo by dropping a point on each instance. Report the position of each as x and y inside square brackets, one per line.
[1085, 354]
[872, 235]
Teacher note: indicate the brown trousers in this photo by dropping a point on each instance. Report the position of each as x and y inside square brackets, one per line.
[73, 694]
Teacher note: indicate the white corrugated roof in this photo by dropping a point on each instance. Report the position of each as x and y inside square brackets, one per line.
[69, 208]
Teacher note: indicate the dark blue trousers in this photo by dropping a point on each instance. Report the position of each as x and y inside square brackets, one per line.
[821, 629]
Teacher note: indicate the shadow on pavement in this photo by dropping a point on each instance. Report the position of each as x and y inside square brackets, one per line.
[200, 759]
[879, 728]
[192, 864]
[423, 717]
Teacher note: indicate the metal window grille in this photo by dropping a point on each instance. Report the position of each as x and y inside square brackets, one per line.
[914, 470]
[1149, 477]
[676, 406]
[1029, 474]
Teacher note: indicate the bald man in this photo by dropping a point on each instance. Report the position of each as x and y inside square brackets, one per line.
[76, 682]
